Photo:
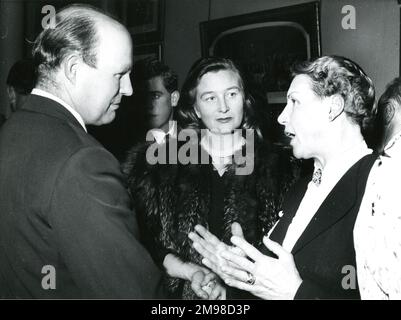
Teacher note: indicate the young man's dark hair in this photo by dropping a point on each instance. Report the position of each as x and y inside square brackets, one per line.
[21, 80]
[151, 67]
[22, 76]
[156, 89]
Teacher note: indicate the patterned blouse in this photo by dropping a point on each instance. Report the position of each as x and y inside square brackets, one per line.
[377, 232]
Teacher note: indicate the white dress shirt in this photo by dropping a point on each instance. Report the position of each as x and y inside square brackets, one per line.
[48, 95]
[377, 231]
[160, 135]
[315, 195]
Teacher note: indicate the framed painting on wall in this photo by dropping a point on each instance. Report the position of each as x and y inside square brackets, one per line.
[143, 18]
[153, 50]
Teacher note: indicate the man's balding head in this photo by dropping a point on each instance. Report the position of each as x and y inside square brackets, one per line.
[86, 61]
[76, 30]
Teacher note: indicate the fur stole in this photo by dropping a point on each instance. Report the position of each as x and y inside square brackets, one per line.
[170, 199]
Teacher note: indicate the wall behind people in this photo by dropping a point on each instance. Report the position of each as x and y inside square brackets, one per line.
[374, 44]
[11, 45]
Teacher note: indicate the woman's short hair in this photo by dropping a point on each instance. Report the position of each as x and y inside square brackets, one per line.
[186, 115]
[332, 75]
[389, 101]
[388, 105]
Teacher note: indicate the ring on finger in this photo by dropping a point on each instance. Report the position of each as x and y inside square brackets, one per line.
[250, 278]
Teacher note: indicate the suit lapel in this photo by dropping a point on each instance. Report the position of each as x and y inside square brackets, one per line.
[290, 207]
[342, 198]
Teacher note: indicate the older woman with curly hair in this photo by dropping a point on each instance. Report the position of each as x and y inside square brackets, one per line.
[243, 179]
[310, 251]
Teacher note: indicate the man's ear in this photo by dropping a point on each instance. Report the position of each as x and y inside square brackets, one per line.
[336, 106]
[175, 97]
[70, 67]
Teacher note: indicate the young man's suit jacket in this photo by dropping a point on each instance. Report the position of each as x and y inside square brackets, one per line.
[63, 204]
[324, 254]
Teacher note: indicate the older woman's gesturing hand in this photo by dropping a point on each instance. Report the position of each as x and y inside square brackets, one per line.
[210, 247]
[266, 277]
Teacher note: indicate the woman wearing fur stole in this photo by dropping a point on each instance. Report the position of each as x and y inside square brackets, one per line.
[216, 172]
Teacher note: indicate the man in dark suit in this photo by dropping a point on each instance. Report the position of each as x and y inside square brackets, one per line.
[66, 225]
